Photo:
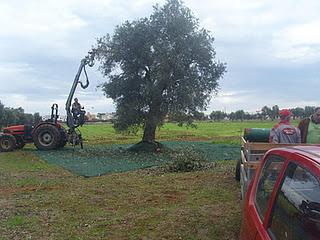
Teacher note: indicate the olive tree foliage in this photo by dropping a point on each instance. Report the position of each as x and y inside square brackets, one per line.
[158, 66]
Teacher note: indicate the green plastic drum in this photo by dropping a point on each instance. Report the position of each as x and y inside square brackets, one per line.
[257, 134]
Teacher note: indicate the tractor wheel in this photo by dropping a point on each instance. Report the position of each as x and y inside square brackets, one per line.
[19, 142]
[63, 138]
[7, 143]
[46, 137]
[237, 172]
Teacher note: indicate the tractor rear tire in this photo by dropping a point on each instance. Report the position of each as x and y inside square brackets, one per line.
[7, 143]
[46, 137]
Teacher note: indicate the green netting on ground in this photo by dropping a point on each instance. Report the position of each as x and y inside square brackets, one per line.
[97, 160]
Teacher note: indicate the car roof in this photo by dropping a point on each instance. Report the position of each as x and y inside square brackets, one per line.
[312, 152]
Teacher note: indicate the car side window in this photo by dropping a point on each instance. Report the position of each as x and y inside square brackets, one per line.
[296, 212]
[267, 180]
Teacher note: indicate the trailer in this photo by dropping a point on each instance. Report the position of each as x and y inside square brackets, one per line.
[254, 145]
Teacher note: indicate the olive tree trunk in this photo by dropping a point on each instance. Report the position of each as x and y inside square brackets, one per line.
[149, 134]
[152, 121]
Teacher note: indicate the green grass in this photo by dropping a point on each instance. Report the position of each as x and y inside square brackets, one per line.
[219, 132]
[131, 205]
[43, 201]
[21, 222]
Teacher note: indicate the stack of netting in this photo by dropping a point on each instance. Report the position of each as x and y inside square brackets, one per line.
[256, 134]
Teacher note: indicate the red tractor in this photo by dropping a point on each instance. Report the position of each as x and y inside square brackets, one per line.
[49, 134]
[46, 135]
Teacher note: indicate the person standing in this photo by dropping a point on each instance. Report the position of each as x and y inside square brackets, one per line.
[310, 128]
[284, 132]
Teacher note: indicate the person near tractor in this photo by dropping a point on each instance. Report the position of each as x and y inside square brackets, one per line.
[310, 128]
[78, 112]
[284, 132]
[76, 107]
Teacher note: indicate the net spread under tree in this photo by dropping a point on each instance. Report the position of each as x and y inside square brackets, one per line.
[158, 66]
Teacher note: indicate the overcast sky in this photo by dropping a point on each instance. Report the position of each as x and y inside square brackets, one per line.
[271, 48]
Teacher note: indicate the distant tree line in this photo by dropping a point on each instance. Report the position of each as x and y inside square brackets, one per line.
[263, 114]
[14, 116]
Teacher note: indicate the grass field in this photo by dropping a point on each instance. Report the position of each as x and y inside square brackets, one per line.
[43, 201]
[222, 132]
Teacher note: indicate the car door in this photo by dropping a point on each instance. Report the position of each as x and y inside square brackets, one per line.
[257, 200]
[295, 213]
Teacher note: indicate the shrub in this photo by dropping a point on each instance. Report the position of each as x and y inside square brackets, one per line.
[187, 160]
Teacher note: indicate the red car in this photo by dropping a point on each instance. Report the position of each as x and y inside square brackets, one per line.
[283, 199]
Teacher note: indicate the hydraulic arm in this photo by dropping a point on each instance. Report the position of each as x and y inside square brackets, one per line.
[88, 60]
[75, 136]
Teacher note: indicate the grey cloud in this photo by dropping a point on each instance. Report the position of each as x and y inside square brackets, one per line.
[246, 35]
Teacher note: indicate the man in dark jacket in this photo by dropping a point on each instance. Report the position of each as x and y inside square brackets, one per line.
[284, 132]
[78, 113]
[76, 107]
[310, 128]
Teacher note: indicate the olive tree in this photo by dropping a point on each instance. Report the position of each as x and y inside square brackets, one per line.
[158, 66]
